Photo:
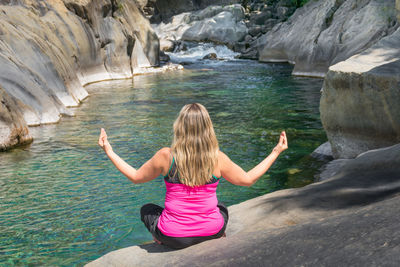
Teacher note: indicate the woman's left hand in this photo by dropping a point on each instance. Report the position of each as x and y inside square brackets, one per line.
[103, 142]
[282, 144]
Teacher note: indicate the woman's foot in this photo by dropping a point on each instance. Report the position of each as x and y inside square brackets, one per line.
[155, 240]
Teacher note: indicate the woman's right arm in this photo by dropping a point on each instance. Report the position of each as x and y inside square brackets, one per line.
[155, 166]
[236, 175]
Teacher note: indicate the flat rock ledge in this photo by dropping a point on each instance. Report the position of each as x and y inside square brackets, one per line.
[350, 219]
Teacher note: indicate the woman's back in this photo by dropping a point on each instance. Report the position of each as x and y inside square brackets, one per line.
[189, 211]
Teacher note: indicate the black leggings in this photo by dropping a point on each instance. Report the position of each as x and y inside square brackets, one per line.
[150, 213]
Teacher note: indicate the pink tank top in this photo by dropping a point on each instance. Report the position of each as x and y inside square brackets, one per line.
[190, 211]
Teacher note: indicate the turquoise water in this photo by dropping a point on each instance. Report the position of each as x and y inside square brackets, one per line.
[62, 201]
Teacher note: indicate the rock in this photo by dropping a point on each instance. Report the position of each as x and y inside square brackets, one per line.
[50, 49]
[249, 54]
[241, 46]
[164, 57]
[284, 3]
[337, 222]
[167, 45]
[271, 22]
[13, 129]
[182, 46]
[324, 152]
[222, 29]
[282, 12]
[174, 29]
[360, 100]
[211, 11]
[248, 38]
[322, 33]
[219, 24]
[254, 31]
[265, 29]
[258, 6]
[259, 18]
[211, 56]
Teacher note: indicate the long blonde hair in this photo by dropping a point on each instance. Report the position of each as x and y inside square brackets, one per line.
[195, 146]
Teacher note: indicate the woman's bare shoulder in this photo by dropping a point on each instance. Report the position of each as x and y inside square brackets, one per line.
[222, 157]
[164, 157]
[164, 154]
[165, 151]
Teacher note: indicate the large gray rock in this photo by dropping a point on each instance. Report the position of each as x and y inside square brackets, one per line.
[50, 49]
[360, 100]
[322, 33]
[218, 24]
[223, 28]
[349, 219]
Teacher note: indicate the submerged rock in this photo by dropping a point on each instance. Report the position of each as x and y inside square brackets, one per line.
[323, 33]
[212, 56]
[360, 100]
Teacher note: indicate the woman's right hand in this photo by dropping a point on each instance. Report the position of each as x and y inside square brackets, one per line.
[282, 144]
[103, 142]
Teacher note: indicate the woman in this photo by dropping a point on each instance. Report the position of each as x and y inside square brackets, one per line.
[191, 168]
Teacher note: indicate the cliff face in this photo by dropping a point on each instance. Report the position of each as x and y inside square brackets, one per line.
[323, 33]
[360, 99]
[50, 49]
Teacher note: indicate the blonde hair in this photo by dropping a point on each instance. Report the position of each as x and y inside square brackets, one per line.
[195, 146]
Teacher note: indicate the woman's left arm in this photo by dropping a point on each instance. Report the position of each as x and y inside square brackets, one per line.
[149, 171]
